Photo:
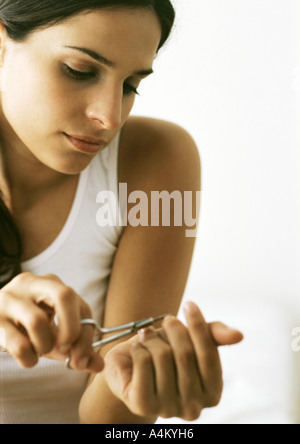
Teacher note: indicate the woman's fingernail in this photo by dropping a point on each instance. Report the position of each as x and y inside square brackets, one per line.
[228, 328]
[190, 308]
[145, 332]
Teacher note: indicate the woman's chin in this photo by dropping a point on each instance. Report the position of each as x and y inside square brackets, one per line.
[73, 164]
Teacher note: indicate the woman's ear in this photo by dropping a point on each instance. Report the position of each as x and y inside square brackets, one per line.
[3, 35]
[3, 41]
[3, 45]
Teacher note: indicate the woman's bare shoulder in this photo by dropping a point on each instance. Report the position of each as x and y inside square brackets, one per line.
[146, 130]
[149, 145]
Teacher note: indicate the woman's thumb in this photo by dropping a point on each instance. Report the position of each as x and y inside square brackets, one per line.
[224, 335]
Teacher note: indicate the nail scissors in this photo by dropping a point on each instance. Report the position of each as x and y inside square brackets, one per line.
[125, 330]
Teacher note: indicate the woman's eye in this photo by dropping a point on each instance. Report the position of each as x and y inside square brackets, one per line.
[79, 75]
[83, 76]
[129, 89]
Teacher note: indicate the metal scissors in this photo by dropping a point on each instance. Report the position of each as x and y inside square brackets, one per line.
[125, 330]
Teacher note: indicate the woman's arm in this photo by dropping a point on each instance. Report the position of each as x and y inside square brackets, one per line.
[152, 264]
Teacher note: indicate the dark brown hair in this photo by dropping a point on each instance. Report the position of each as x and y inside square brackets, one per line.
[20, 19]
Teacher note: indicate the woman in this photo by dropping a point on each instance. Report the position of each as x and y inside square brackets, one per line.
[70, 72]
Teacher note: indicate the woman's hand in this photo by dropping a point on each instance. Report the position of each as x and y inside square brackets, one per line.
[28, 307]
[173, 372]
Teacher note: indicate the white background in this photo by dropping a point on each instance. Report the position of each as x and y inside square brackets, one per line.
[231, 76]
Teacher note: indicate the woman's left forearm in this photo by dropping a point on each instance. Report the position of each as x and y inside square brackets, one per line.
[100, 406]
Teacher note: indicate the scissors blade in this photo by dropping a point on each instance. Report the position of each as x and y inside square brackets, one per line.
[133, 327]
[137, 325]
[148, 322]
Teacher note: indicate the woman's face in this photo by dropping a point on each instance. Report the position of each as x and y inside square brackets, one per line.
[50, 90]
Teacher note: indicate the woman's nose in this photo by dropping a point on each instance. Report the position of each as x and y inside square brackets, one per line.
[106, 107]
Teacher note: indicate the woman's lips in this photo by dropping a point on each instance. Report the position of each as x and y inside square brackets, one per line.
[88, 145]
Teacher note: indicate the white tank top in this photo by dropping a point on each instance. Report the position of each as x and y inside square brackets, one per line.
[82, 256]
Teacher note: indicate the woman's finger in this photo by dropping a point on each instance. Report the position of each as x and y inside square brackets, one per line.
[224, 335]
[19, 346]
[50, 290]
[207, 353]
[141, 392]
[188, 375]
[32, 321]
[83, 357]
[165, 372]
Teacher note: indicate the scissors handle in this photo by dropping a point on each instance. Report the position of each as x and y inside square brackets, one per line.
[125, 330]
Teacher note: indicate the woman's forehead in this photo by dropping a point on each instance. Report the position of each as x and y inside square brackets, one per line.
[129, 39]
[137, 30]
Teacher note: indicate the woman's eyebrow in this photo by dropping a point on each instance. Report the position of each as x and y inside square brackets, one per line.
[105, 61]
